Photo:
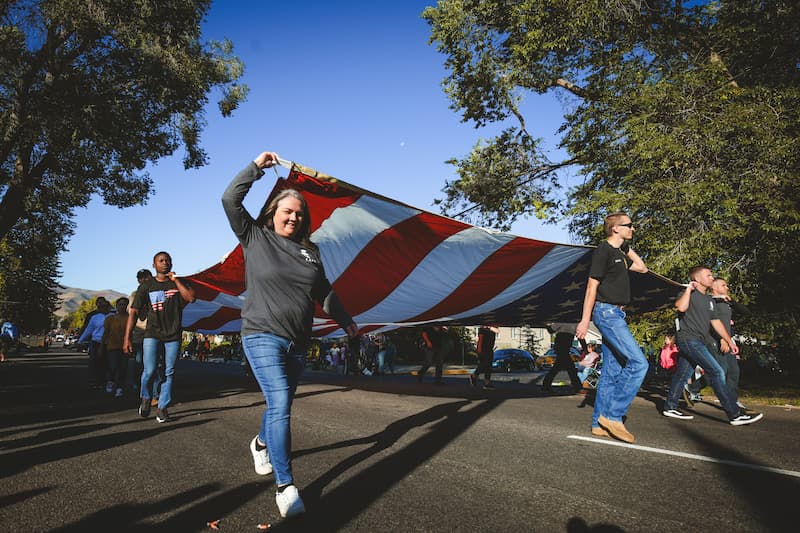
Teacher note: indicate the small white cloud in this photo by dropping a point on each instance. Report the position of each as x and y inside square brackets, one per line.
[402, 143]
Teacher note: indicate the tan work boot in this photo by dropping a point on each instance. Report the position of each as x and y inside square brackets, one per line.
[600, 432]
[616, 429]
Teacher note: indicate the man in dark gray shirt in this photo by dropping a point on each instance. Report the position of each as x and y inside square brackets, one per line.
[724, 308]
[695, 313]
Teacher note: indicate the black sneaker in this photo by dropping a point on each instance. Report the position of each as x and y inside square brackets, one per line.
[144, 408]
[742, 419]
[674, 413]
[488, 386]
[162, 415]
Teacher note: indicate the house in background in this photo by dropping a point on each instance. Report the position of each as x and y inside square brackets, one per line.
[536, 340]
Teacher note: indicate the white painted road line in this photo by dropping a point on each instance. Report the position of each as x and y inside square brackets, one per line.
[687, 455]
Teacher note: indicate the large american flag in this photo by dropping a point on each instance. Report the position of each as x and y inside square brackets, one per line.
[393, 265]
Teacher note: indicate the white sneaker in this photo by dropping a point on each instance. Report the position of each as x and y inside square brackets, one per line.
[118, 394]
[260, 459]
[742, 419]
[109, 387]
[289, 502]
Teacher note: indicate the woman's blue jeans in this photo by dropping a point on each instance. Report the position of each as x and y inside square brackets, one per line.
[150, 356]
[624, 364]
[695, 352]
[277, 366]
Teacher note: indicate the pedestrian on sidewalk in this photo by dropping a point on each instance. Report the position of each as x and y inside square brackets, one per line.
[565, 334]
[9, 336]
[285, 276]
[433, 344]
[486, 337]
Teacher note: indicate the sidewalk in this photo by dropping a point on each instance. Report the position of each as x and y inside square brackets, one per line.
[455, 371]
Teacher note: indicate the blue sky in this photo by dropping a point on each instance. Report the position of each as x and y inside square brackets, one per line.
[352, 89]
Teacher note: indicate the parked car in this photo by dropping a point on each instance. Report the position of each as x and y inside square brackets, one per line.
[71, 342]
[509, 359]
[547, 360]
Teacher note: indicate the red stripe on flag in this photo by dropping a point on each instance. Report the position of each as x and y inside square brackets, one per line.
[227, 277]
[323, 197]
[493, 276]
[389, 258]
[202, 291]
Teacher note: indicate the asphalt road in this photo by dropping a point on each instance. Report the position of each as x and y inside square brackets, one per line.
[380, 454]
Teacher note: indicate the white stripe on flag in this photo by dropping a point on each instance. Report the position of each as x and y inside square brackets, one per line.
[437, 275]
[343, 235]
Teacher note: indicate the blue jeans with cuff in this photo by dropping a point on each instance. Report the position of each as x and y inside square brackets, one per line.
[624, 364]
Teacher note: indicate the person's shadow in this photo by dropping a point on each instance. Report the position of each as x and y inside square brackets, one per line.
[334, 509]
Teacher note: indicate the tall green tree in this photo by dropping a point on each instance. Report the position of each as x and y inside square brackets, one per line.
[29, 267]
[91, 91]
[685, 115]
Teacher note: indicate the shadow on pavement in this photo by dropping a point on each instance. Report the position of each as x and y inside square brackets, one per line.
[18, 497]
[772, 507]
[16, 462]
[336, 508]
[130, 517]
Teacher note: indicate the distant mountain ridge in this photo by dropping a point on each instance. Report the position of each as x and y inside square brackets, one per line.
[70, 298]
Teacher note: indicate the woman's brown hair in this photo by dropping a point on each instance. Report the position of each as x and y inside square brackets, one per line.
[303, 233]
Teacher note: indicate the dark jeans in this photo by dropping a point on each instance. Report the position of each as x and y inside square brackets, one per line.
[432, 357]
[484, 366]
[97, 364]
[117, 367]
[730, 365]
[695, 352]
[562, 362]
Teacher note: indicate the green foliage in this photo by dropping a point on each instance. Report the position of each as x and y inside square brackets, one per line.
[28, 269]
[687, 117]
[78, 317]
[91, 92]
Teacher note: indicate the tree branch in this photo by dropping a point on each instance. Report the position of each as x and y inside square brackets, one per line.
[571, 87]
[534, 174]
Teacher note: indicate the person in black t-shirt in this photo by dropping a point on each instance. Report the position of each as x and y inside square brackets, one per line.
[607, 292]
[162, 299]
